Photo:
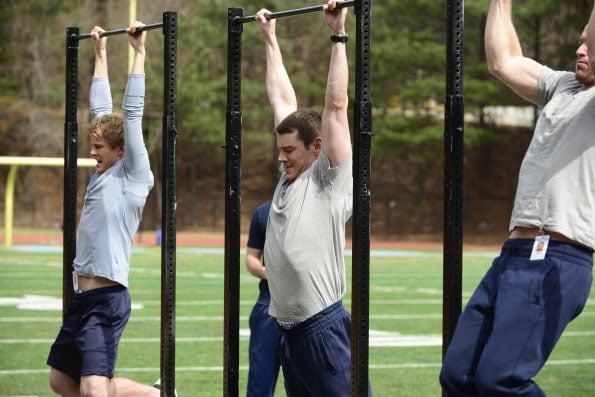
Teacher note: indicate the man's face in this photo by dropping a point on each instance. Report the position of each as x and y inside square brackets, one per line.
[104, 154]
[583, 73]
[294, 156]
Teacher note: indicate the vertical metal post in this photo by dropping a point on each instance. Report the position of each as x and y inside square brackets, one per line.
[453, 173]
[233, 154]
[362, 122]
[168, 208]
[70, 164]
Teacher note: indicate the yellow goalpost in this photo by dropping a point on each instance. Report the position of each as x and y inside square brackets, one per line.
[14, 162]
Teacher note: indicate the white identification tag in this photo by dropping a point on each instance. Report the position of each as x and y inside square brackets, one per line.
[540, 247]
[75, 281]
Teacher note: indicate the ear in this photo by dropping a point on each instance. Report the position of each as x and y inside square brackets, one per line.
[317, 145]
[121, 152]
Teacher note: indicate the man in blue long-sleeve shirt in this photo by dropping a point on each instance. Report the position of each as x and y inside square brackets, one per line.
[84, 354]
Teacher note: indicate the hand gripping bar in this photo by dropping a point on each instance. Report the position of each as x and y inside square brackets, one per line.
[296, 11]
[121, 31]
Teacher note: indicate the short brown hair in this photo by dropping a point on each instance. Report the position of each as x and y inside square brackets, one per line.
[307, 123]
[109, 127]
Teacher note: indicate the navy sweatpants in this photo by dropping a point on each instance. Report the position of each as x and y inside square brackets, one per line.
[316, 355]
[515, 318]
[264, 343]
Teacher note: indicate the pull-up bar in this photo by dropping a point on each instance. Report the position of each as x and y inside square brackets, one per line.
[288, 13]
[121, 31]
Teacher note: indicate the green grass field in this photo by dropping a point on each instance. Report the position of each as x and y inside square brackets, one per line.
[405, 323]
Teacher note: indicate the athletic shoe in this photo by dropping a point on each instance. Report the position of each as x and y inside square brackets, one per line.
[157, 385]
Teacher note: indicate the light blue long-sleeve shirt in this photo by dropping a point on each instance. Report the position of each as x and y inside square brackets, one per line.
[114, 199]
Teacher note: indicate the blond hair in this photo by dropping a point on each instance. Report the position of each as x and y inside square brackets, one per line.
[109, 127]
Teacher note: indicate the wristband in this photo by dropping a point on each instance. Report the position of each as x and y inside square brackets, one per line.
[339, 39]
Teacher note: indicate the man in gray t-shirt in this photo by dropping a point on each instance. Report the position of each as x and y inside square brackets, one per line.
[306, 228]
[82, 358]
[542, 278]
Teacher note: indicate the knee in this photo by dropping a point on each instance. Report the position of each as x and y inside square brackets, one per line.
[502, 380]
[491, 383]
[94, 385]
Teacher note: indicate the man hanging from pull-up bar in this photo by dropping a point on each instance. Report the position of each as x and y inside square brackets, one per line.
[84, 354]
[542, 278]
[305, 235]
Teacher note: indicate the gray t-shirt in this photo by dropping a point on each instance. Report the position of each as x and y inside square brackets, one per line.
[114, 200]
[556, 188]
[305, 240]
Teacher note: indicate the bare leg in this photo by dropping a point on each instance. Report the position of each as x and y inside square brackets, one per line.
[63, 384]
[101, 386]
[127, 388]
[96, 386]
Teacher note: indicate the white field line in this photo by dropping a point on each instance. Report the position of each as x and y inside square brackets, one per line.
[587, 361]
[44, 303]
[377, 339]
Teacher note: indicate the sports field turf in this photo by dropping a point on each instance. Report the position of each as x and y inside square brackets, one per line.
[405, 323]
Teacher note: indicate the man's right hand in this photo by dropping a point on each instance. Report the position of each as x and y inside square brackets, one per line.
[267, 26]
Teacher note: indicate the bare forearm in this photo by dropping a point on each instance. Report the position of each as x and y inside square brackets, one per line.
[100, 69]
[279, 89]
[336, 139]
[137, 42]
[100, 50]
[336, 89]
[138, 62]
[255, 267]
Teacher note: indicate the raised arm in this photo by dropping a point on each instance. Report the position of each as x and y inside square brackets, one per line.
[504, 54]
[279, 89]
[100, 69]
[100, 97]
[336, 139]
[137, 42]
[136, 157]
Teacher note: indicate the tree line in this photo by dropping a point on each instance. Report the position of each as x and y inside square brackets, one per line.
[408, 71]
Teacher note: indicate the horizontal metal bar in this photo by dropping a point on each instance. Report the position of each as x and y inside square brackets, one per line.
[288, 13]
[120, 31]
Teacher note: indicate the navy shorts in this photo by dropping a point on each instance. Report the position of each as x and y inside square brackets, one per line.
[87, 343]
